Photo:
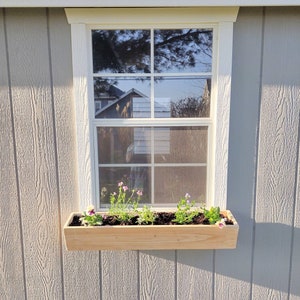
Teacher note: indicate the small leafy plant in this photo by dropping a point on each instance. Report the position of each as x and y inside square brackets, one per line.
[90, 218]
[146, 216]
[185, 212]
[124, 203]
[213, 216]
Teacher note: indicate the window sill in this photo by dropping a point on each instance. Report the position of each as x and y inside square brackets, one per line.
[151, 237]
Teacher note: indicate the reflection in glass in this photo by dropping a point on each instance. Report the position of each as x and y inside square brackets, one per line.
[172, 183]
[120, 145]
[180, 145]
[137, 178]
[121, 51]
[135, 145]
[172, 81]
[183, 50]
[182, 97]
[122, 97]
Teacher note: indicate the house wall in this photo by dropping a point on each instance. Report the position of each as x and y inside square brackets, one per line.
[38, 183]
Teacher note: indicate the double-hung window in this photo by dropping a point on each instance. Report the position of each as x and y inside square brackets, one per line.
[152, 93]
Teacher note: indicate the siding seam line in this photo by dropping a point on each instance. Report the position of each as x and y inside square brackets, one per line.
[294, 211]
[213, 275]
[54, 128]
[257, 153]
[176, 276]
[100, 275]
[15, 152]
[138, 275]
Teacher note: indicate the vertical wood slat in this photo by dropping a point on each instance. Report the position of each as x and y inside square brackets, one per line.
[33, 119]
[157, 275]
[235, 278]
[295, 257]
[120, 275]
[277, 154]
[75, 264]
[11, 262]
[194, 274]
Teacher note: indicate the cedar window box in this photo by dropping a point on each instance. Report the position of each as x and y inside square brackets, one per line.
[151, 237]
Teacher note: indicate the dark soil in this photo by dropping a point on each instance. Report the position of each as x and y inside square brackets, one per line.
[162, 218]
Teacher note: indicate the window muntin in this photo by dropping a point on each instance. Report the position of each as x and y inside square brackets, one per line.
[163, 74]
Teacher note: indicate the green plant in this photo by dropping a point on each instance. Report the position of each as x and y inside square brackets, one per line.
[146, 216]
[123, 204]
[212, 215]
[124, 207]
[185, 212]
[90, 218]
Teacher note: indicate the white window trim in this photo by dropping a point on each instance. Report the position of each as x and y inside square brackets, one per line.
[82, 20]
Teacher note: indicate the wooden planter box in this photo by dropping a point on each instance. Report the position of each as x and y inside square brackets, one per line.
[150, 237]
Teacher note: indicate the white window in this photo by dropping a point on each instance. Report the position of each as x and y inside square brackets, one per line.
[152, 92]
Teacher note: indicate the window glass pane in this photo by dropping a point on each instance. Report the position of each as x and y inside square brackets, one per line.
[182, 97]
[124, 97]
[121, 51]
[120, 145]
[183, 50]
[181, 145]
[137, 178]
[134, 145]
[172, 183]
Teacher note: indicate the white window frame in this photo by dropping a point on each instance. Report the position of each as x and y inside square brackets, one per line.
[221, 19]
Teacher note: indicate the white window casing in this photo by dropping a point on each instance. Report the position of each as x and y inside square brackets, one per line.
[220, 18]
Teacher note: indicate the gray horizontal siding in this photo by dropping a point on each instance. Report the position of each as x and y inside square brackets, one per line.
[38, 183]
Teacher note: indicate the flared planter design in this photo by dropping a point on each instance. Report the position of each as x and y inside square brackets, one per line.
[151, 237]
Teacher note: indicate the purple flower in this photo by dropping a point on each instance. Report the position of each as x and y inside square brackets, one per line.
[120, 183]
[90, 210]
[221, 224]
[125, 188]
[139, 193]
